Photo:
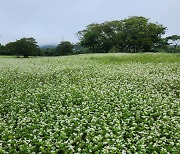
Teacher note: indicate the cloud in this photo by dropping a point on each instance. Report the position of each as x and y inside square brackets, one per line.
[48, 21]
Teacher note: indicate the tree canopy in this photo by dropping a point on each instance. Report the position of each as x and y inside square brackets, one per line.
[133, 34]
[64, 48]
[25, 47]
[2, 49]
[173, 40]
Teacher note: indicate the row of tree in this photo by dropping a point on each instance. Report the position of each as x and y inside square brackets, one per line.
[134, 34]
[28, 47]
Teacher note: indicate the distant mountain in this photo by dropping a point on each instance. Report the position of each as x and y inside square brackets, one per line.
[48, 46]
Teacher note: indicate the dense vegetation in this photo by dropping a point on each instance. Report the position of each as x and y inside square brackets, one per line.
[100, 103]
[134, 34]
[25, 47]
[64, 48]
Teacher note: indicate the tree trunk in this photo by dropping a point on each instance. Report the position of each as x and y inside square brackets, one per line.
[175, 48]
[26, 56]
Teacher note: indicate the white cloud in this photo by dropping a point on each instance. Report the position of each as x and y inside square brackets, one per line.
[48, 21]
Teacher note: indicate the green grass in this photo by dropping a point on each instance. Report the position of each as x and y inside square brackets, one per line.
[96, 103]
[137, 58]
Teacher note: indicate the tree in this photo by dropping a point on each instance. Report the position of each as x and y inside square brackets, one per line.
[10, 48]
[64, 48]
[133, 34]
[94, 38]
[2, 49]
[114, 34]
[25, 47]
[173, 40]
[142, 35]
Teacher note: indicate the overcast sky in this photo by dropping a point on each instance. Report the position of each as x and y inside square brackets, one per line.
[51, 21]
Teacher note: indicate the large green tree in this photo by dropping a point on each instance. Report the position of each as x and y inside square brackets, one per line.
[25, 47]
[133, 34]
[142, 35]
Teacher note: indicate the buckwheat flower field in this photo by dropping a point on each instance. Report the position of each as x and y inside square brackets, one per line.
[96, 103]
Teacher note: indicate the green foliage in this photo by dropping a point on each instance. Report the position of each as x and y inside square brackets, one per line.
[94, 39]
[2, 49]
[10, 48]
[174, 40]
[134, 34]
[24, 47]
[143, 58]
[81, 104]
[142, 35]
[64, 48]
[78, 49]
[47, 51]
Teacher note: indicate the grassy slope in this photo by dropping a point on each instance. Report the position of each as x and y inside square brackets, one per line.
[86, 103]
[137, 58]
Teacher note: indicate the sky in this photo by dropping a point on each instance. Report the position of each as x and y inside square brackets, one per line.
[53, 21]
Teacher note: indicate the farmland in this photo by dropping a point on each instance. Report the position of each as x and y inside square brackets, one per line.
[96, 103]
